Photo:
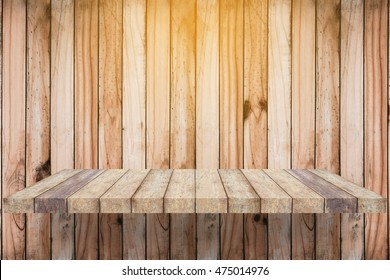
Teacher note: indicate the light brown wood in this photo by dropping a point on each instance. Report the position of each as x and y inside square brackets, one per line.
[273, 198]
[255, 114]
[279, 120]
[327, 116]
[305, 200]
[150, 195]
[38, 121]
[158, 108]
[231, 80]
[87, 199]
[375, 116]
[207, 116]
[180, 194]
[86, 116]
[13, 133]
[118, 198]
[1, 123]
[110, 115]
[241, 196]
[210, 193]
[134, 122]
[303, 115]
[23, 201]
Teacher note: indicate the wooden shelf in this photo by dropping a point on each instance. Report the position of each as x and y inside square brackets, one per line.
[195, 191]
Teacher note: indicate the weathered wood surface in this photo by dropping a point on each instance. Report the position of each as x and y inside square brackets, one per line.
[195, 191]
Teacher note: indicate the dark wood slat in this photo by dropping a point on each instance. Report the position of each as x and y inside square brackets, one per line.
[336, 200]
[55, 200]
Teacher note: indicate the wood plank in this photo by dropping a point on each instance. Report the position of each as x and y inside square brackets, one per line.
[305, 200]
[110, 115]
[303, 115]
[336, 200]
[231, 80]
[62, 104]
[210, 193]
[180, 194]
[86, 116]
[23, 201]
[158, 108]
[13, 130]
[149, 197]
[279, 120]
[118, 198]
[368, 201]
[375, 128]
[351, 119]
[207, 118]
[273, 199]
[182, 145]
[1, 123]
[327, 116]
[241, 196]
[134, 114]
[255, 114]
[388, 139]
[87, 199]
[38, 121]
[55, 199]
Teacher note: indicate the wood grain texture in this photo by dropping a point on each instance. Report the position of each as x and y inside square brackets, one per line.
[368, 201]
[86, 116]
[375, 126]
[351, 118]
[231, 81]
[210, 193]
[1, 123]
[62, 104]
[180, 194]
[279, 120]
[255, 114]
[110, 115]
[207, 118]
[158, 18]
[38, 121]
[303, 115]
[55, 200]
[305, 200]
[273, 198]
[118, 198]
[183, 107]
[87, 199]
[13, 130]
[149, 197]
[241, 196]
[327, 117]
[336, 200]
[134, 114]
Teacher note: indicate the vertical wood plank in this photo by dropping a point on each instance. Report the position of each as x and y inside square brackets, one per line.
[86, 116]
[38, 121]
[62, 102]
[388, 136]
[231, 77]
[351, 120]
[327, 117]
[182, 152]
[207, 116]
[279, 117]
[255, 115]
[110, 116]
[158, 107]
[303, 115]
[134, 98]
[375, 127]
[13, 138]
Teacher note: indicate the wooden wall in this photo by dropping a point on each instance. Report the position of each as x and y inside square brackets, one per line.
[194, 84]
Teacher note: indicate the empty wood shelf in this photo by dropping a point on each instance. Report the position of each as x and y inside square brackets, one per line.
[195, 191]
